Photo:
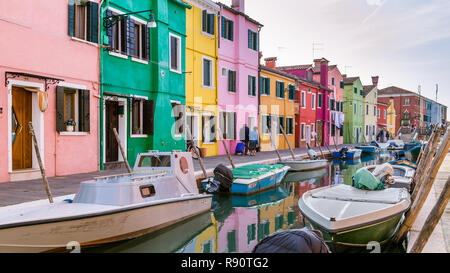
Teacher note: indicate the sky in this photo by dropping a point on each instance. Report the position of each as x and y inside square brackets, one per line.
[404, 42]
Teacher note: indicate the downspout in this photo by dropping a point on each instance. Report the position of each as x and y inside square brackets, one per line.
[100, 103]
[258, 81]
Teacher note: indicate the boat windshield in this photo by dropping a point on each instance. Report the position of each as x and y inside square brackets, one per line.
[155, 161]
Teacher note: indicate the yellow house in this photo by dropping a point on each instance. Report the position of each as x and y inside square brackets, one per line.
[277, 102]
[391, 117]
[201, 73]
[370, 93]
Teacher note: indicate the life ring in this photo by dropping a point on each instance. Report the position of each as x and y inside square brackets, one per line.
[43, 101]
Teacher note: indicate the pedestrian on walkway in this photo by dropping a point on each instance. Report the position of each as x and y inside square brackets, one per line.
[253, 137]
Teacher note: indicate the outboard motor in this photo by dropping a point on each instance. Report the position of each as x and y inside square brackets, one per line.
[293, 241]
[312, 154]
[224, 177]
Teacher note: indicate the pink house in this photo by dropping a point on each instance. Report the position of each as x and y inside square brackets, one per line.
[237, 73]
[238, 232]
[49, 70]
[335, 83]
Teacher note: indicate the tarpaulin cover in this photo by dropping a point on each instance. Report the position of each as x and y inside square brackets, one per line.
[254, 170]
[365, 180]
[293, 241]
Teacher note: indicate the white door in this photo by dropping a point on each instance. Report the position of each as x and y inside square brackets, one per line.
[308, 134]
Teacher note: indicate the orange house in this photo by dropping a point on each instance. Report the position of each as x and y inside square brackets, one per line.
[276, 106]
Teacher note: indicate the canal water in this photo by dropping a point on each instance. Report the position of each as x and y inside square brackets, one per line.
[237, 223]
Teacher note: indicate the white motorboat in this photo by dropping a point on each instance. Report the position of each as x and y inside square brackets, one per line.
[108, 209]
[402, 178]
[305, 165]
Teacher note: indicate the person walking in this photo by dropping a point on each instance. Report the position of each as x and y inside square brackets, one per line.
[253, 138]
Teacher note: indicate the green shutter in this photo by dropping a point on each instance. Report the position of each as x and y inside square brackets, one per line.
[93, 22]
[211, 23]
[204, 21]
[149, 117]
[267, 86]
[231, 30]
[84, 118]
[261, 89]
[71, 21]
[249, 39]
[60, 109]
[223, 27]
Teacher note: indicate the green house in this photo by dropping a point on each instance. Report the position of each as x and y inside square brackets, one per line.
[353, 110]
[142, 78]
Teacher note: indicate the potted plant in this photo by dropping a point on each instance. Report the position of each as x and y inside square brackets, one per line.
[137, 131]
[70, 125]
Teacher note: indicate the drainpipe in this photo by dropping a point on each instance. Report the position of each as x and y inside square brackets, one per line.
[100, 103]
[258, 83]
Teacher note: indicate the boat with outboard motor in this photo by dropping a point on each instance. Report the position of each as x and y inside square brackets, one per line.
[368, 149]
[108, 209]
[347, 153]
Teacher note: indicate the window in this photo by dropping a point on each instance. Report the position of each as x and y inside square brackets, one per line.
[291, 92]
[118, 36]
[281, 124]
[209, 129]
[309, 90]
[208, 22]
[72, 108]
[332, 104]
[251, 86]
[289, 126]
[354, 109]
[333, 130]
[378, 113]
[232, 81]
[319, 103]
[302, 131]
[303, 99]
[252, 40]
[341, 132]
[361, 92]
[342, 84]
[328, 102]
[175, 53]
[227, 29]
[355, 90]
[224, 72]
[332, 81]
[360, 110]
[266, 124]
[406, 102]
[374, 111]
[367, 109]
[384, 114]
[139, 39]
[264, 85]
[313, 128]
[227, 123]
[178, 111]
[280, 89]
[83, 20]
[251, 233]
[313, 101]
[207, 72]
[137, 117]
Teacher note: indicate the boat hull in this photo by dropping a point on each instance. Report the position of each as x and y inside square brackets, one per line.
[99, 229]
[305, 165]
[368, 149]
[351, 154]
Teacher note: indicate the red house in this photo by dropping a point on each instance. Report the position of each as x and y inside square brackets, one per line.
[306, 115]
[382, 109]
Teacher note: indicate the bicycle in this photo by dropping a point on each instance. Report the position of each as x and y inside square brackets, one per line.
[190, 147]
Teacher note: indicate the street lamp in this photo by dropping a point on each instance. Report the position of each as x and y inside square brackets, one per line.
[110, 21]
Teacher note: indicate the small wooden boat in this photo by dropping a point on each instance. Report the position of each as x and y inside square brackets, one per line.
[402, 178]
[251, 179]
[352, 217]
[368, 149]
[107, 209]
[304, 176]
[305, 165]
[404, 162]
[381, 145]
[348, 154]
[396, 144]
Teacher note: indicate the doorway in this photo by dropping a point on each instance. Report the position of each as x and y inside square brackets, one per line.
[111, 121]
[21, 115]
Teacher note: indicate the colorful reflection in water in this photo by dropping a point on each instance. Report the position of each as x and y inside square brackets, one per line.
[237, 223]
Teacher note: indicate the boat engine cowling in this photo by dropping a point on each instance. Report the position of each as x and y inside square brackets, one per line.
[224, 176]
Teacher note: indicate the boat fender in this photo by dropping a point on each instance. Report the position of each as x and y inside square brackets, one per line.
[68, 200]
[224, 176]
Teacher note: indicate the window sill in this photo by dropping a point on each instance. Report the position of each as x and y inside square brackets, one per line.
[139, 60]
[65, 133]
[119, 55]
[138, 136]
[208, 35]
[208, 87]
[175, 71]
[84, 41]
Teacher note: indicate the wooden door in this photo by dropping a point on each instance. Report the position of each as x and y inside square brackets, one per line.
[21, 115]
[111, 121]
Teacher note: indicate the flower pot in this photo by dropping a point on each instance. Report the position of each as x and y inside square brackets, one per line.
[69, 128]
[202, 152]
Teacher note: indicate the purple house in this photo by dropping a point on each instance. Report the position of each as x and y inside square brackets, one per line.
[237, 73]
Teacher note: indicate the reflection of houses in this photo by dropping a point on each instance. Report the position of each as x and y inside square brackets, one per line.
[205, 242]
[238, 232]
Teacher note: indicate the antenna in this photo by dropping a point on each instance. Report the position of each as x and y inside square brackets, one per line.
[437, 90]
[316, 47]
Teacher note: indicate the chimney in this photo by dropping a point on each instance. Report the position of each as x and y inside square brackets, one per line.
[375, 80]
[324, 72]
[317, 62]
[238, 5]
[271, 62]
[344, 76]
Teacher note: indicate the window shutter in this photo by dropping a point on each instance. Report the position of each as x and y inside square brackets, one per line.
[146, 34]
[255, 44]
[249, 85]
[204, 128]
[268, 86]
[231, 30]
[223, 27]
[278, 88]
[249, 39]
[204, 20]
[131, 40]
[149, 117]
[71, 21]
[212, 126]
[261, 89]
[125, 35]
[84, 111]
[93, 22]
[211, 23]
[254, 86]
[60, 109]
[109, 31]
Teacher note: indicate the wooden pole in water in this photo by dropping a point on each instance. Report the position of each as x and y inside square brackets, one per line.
[425, 165]
[122, 150]
[41, 166]
[226, 149]
[432, 219]
[319, 147]
[275, 147]
[417, 205]
[188, 131]
[287, 140]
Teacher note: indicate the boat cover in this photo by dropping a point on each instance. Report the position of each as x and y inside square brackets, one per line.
[347, 193]
[293, 241]
[254, 170]
[365, 180]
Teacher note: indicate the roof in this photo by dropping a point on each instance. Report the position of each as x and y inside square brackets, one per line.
[295, 67]
[383, 103]
[394, 90]
[350, 80]
[239, 13]
[367, 89]
[279, 72]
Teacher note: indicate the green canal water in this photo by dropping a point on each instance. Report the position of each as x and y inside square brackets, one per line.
[237, 223]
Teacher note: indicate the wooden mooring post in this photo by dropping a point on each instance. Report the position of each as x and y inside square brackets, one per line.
[188, 131]
[226, 149]
[122, 151]
[41, 166]
[432, 219]
[275, 147]
[425, 188]
[287, 140]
